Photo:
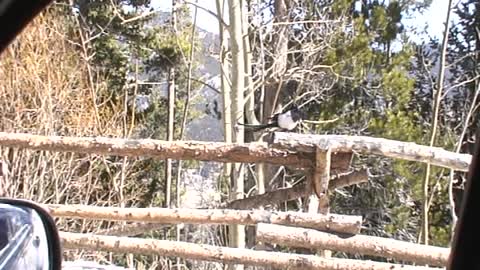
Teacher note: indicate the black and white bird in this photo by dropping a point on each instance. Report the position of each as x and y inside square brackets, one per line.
[287, 120]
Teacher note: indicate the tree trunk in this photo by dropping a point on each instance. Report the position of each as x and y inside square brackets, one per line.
[237, 232]
[274, 81]
[171, 116]
[225, 84]
[170, 127]
[436, 110]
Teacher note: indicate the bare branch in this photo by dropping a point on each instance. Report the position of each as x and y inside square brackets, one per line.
[304, 22]
[139, 17]
[436, 111]
[460, 84]
[457, 150]
[209, 12]
[320, 122]
[206, 84]
[295, 192]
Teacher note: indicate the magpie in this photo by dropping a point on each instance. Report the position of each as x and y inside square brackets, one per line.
[287, 120]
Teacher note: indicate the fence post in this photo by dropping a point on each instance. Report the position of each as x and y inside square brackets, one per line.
[319, 202]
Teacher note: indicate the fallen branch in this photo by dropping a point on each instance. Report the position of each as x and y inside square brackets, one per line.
[295, 192]
[355, 244]
[331, 222]
[219, 254]
[375, 146]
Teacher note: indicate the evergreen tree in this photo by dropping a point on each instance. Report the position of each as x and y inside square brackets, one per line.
[359, 70]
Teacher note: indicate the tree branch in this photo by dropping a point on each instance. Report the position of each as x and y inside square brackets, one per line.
[295, 192]
[209, 12]
[436, 112]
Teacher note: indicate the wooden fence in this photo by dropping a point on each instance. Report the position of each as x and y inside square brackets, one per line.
[326, 159]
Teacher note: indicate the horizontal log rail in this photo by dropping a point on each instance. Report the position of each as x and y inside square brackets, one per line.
[132, 229]
[307, 143]
[354, 244]
[289, 149]
[180, 150]
[331, 222]
[220, 254]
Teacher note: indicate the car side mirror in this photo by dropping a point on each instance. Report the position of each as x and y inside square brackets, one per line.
[28, 237]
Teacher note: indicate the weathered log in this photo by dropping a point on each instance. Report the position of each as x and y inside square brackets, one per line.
[355, 244]
[131, 229]
[306, 143]
[220, 254]
[321, 177]
[180, 150]
[334, 223]
[289, 149]
[295, 192]
[321, 180]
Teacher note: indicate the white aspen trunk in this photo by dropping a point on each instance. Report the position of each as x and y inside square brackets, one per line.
[426, 183]
[171, 117]
[237, 232]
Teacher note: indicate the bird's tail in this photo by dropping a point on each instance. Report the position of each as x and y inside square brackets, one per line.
[254, 128]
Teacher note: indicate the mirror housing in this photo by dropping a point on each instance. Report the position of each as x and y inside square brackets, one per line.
[28, 236]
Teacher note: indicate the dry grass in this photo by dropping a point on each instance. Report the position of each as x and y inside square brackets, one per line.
[43, 83]
[45, 89]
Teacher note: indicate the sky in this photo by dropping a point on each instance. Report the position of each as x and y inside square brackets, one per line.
[204, 20]
[433, 18]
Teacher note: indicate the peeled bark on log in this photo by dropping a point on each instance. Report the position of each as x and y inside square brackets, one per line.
[295, 192]
[132, 229]
[374, 146]
[354, 244]
[180, 150]
[335, 223]
[321, 177]
[290, 149]
[272, 197]
[220, 254]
